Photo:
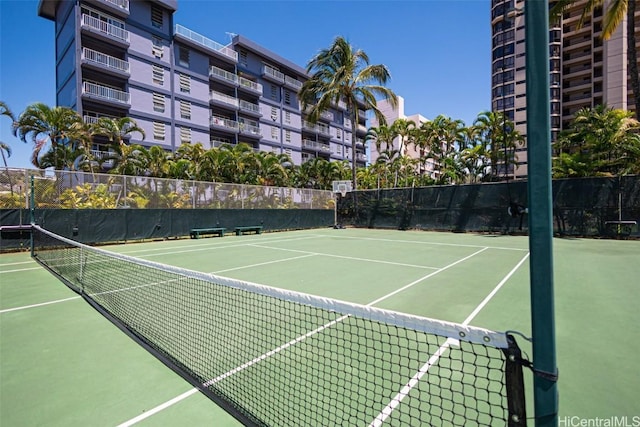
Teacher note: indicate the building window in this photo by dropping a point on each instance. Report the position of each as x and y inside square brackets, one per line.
[185, 110]
[274, 114]
[157, 49]
[158, 102]
[156, 16]
[185, 83]
[287, 97]
[158, 74]
[274, 133]
[287, 117]
[158, 131]
[287, 135]
[183, 57]
[243, 57]
[185, 135]
[274, 92]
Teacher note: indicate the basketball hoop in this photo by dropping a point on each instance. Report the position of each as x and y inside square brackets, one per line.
[342, 187]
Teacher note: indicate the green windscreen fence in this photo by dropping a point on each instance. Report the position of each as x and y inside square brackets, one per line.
[596, 207]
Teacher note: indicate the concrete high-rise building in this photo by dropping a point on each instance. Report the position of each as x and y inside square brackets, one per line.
[121, 58]
[392, 114]
[585, 70]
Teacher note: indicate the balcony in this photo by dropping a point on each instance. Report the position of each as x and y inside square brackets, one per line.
[327, 115]
[250, 128]
[199, 41]
[106, 94]
[293, 83]
[315, 145]
[224, 123]
[217, 142]
[223, 76]
[104, 62]
[90, 120]
[250, 86]
[222, 99]
[270, 73]
[250, 108]
[104, 30]
[119, 7]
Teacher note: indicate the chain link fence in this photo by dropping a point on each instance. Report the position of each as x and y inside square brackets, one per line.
[82, 190]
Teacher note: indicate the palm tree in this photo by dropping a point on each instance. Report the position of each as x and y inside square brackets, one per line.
[4, 147]
[600, 142]
[49, 128]
[342, 74]
[615, 14]
[117, 131]
[404, 129]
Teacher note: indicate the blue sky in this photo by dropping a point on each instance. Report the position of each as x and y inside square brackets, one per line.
[438, 51]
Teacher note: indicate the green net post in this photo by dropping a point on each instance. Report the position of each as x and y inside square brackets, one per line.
[32, 215]
[540, 212]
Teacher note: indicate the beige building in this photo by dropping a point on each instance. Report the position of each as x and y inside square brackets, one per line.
[391, 114]
[585, 70]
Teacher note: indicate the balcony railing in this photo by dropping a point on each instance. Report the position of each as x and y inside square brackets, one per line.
[223, 74]
[327, 115]
[315, 145]
[249, 106]
[273, 73]
[222, 122]
[249, 84]
[105, 60]
[292, 82]
[121, 4]
[208, 43]
[94, 119]
[104, 27]
[105, 92]
[250, 127]
[225, 99]
[217, 142]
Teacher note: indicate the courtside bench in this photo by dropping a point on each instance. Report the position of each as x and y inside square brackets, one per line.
[248, 229]
[195, 233]
[620, 228]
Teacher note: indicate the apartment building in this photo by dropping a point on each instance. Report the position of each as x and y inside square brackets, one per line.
[122, 58]
[585, 70]
[391, 114]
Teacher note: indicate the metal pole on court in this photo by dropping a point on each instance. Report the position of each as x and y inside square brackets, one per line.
[540, 212]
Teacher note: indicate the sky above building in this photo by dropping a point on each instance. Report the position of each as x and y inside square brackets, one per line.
[438, 51]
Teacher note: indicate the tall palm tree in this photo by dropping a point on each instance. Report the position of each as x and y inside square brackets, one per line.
[4, 147]
[600, 142]
[48, 128]
[614, 16]
[404, 129]
[342, 74]
[117, 131]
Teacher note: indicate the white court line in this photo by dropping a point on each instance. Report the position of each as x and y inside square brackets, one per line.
[205, 247]
[37, 305]
[17, 263]
[183, 396]
[378, 239]
[148, 284]
[393, 404]
[262, 263]
[257, 245]
[19, 270]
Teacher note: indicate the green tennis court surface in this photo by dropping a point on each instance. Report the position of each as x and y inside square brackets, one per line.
[62, 363]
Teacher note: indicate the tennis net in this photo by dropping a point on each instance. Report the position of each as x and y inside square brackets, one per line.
[275, 357]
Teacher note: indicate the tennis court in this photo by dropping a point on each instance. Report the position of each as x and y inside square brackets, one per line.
[63, 363]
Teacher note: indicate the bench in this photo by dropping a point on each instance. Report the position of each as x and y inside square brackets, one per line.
[195, 233]
[255, 228]
[621, 228]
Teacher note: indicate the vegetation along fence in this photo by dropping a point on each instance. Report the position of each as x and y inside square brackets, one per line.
[96, 208]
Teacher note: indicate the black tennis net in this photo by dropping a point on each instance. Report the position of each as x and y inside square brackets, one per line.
[281, 358]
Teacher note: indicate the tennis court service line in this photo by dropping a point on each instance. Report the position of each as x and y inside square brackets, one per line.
[190, 392]
[377, 239]
[386, 412]
[210, 247]
[256, 245]
[24, 307]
